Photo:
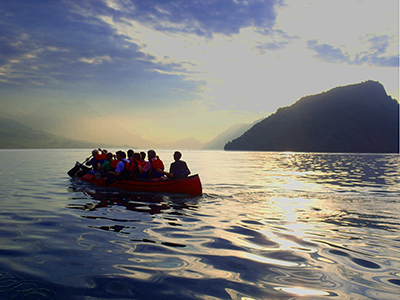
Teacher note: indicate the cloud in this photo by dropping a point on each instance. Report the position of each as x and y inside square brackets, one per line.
[277, 40]
[328, 53]
[378, 53]
[273, 46]
[375, 55]
[65, 46]
[203, 18]
[63, 43]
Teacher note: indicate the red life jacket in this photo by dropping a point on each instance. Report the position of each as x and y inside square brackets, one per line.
[142, 163]
[114, 163]
[157, 164]
[100, 157]
[131, 165]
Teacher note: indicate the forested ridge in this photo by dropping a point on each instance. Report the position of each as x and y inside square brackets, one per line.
[358, 118]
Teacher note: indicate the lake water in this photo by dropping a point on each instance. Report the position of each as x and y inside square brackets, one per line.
[268, 226]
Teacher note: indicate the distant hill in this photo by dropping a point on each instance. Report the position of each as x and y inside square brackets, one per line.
[82, 122]
[14, 135]
[228, 135]
[217, 143]
[358, 118]
[185, 144]
[81, 125]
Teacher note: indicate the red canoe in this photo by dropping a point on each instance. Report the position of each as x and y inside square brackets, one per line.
[190, 185]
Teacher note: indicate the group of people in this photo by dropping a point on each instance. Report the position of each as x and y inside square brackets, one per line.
[132, 166]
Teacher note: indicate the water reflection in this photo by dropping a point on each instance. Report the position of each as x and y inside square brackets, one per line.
[13, 286]
[168, 206]
[343, 170]
[298, 291]
[269, 226]
[139, 202]
[282, 245]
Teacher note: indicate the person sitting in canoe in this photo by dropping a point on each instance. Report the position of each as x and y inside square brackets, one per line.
[133, 167]
[179, 168]
[120, 171]
[107, 166]
[129, 153]
[89, 165]
[98, 156]
[142, 175]
[154, 168]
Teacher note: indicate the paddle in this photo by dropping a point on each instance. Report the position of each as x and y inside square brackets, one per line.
[78, 167]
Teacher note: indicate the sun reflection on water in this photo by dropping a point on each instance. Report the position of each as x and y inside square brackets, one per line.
[299, 291]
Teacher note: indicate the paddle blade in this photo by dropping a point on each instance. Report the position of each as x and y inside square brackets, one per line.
[74, 170]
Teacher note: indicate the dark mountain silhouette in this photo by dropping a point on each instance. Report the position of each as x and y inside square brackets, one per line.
[14, 135]
[358, 118]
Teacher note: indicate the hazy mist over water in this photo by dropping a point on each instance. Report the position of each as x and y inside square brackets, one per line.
[269, 225]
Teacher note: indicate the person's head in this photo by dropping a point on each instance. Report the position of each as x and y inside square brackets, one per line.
[95, 152]
[121, 155]
[137, 156]
[109, 156]
[151, 154]
[177, 155]
[143, 155]
[130, 153]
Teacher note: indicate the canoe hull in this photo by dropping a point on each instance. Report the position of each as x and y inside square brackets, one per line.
[190, 185]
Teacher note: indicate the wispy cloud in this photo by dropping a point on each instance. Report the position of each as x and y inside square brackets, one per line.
[328, 53]
[375, 55]
[204, 18]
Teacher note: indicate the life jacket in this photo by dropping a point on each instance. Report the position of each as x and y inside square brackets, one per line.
[131, 165]
[142, 163]
[100, 157]
[144, 175]
[125, 172]
[131, 169]
[114, 163]
[156, 164]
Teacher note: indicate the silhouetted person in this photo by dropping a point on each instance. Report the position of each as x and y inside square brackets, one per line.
[179, 168]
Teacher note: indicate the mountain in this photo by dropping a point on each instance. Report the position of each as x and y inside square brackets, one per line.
[82, 122]
[228, 135]
[217, 143]
[185, 144]
[14, 135]
[358, 118]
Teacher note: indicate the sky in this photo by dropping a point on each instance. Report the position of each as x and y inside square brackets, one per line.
[170, 70]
